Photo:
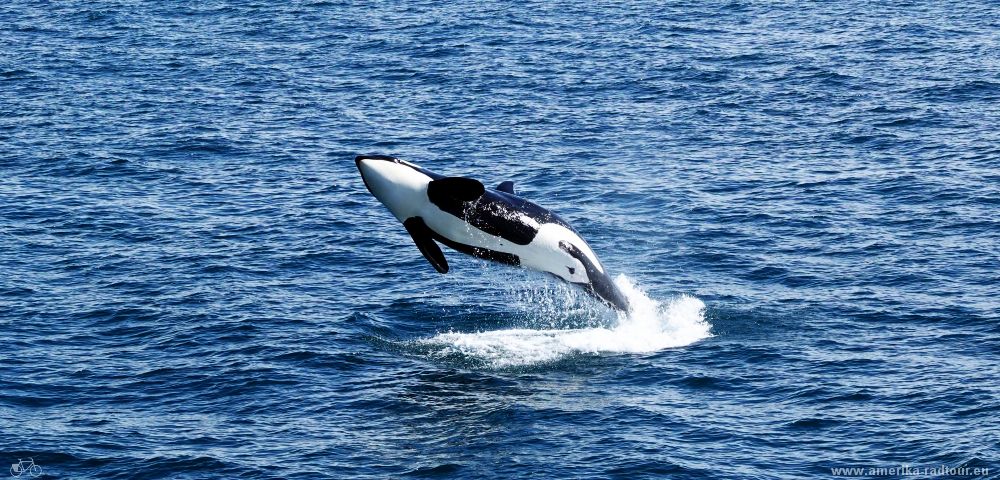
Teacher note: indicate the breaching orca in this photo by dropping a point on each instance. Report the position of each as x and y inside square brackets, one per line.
[493, 224]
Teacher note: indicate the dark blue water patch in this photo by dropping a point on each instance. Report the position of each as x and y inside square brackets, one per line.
[970, 91]
[437, 471]
[814, 424]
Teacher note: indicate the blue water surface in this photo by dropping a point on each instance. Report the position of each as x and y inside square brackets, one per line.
[194, 282]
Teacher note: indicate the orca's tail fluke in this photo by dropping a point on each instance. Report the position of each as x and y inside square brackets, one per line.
[601, 285]
[605, 289]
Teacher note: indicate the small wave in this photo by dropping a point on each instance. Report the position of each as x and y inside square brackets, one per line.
[650, 326]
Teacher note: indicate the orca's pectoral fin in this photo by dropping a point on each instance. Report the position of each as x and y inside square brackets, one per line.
[506, 187]
[421, 234]
[458, 188]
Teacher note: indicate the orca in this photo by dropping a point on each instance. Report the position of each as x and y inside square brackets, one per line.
[489, 223]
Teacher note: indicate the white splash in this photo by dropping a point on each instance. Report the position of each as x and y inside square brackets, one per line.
[650, 326]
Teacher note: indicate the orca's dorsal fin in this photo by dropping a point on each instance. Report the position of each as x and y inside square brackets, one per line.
[421, 234]
[458, 188]
[506, 187]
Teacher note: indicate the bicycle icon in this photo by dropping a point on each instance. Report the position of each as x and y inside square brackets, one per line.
[19, 468]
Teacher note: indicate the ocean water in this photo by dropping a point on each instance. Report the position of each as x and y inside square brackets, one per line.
[801, 198]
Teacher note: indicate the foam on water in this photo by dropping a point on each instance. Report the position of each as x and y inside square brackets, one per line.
[650, 326]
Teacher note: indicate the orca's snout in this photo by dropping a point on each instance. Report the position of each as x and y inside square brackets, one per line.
[365, 164]
[399, 185]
